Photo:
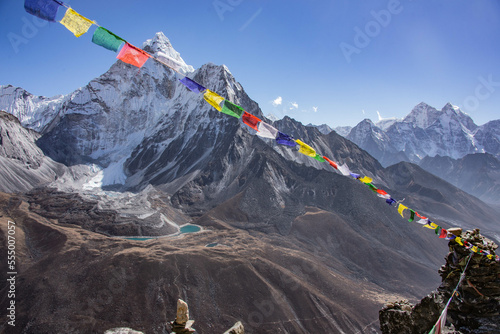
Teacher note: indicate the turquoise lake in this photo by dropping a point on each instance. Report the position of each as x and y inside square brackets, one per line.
[190, 229]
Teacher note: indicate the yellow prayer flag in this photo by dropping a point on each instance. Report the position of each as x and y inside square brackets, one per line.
[306, 149]
[76, 23]
[366, 179]
[214, 99]
[401, 208]
[475, 249]
[433, 226]
[491, 257]
[459, 241]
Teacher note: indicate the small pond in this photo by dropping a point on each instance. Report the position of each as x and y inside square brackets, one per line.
[190, 229]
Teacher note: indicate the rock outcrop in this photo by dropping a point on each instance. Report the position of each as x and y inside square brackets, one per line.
[475, 307]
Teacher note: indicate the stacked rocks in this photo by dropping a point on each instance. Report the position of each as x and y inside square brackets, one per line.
[474, 309]
[182, 324]
[478, 301]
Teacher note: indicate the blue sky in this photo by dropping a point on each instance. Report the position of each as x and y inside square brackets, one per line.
[333, 62]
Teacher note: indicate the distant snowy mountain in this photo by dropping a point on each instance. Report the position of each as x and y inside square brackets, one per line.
[343, 130]
[323, 128]
[34, 112]
[426, 131]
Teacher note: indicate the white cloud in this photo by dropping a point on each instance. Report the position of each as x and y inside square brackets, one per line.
[277, 101]
[295, 105]
[363, 111]
[379, 116]
[315, 109]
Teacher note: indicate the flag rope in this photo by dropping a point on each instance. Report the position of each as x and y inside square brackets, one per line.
[440, 323]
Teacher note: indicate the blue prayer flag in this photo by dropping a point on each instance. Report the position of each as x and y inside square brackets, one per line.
[44, 9]
[192, 85]
[390, 201]
[285, 139]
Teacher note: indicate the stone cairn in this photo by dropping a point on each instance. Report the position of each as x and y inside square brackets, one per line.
[182, 324]
[475, 309]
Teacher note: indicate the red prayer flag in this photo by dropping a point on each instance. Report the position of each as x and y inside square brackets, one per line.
[333, 164]
[133, 55]
[382, 192]
[443, 234]
[250, 120]
[422, 217]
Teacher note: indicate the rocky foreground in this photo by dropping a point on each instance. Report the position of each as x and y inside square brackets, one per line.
[474, 310]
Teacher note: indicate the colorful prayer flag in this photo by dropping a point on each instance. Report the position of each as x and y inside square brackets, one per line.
[443, 233]
[133, 55]
[215, 100]
[192, 85]
[333, 164]
[383, 194]
[431, 225]
[267, 131]
[319, 158]
[459, 241]
[250, 120]
[401, 209]
[76, 23]
[44, 9]
[344, 169]
[450, 236]
[306, 149]
[372, 187]
[284, 139]
[412, 216]
[390, 201]
[419, 216]
[423, 221]
[441, 322]
[231, 109]
[107, 39]
[366, 179]
[355, 175]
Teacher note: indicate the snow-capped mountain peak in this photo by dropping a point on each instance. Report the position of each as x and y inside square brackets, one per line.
[422, 115]
[161, 48]
[425, 131]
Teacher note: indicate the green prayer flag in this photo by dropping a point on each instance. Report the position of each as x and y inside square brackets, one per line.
[107, 39]
[319, 158]
[372, 187]
[412, 215]
[232, 109]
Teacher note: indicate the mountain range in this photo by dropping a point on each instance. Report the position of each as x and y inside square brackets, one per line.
[437, 140]
[287, 244]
